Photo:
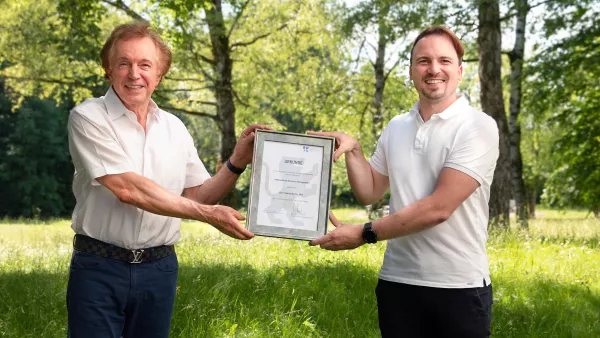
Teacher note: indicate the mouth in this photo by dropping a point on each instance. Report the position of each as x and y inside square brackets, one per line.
[133, 87]
[434, 81]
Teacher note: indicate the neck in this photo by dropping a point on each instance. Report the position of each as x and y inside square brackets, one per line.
[427, 107]
[140, 111]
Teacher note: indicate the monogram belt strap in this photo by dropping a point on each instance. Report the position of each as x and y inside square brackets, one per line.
[98, 248]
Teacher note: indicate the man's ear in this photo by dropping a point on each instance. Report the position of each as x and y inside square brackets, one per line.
[460, 72]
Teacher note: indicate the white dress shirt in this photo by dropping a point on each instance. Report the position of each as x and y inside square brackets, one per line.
[105, 138]
[412, 153]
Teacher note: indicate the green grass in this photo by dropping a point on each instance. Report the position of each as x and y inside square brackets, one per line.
[545, 282]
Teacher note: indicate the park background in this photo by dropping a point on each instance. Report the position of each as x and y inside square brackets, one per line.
[534, 66]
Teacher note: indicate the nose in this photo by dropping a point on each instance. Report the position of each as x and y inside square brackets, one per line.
[133, 72]
[434, 67]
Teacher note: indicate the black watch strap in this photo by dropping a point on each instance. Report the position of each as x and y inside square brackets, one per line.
[234, 169]
[369, 235]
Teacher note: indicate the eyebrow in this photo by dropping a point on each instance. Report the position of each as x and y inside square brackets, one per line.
[423, 57]
[123, 58]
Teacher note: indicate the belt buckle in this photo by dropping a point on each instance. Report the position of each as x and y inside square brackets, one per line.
[137, 256]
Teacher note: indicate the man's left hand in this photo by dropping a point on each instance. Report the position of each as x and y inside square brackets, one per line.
[344, 237]
[242, 153]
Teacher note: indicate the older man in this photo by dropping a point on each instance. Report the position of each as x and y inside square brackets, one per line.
[438, 160]
[133, 162]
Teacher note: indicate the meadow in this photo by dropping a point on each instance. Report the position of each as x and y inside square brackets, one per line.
[545, 282]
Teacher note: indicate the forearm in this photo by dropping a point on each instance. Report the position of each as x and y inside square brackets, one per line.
[215, 188]
[360, 176]
[147, 195]
[423, 214]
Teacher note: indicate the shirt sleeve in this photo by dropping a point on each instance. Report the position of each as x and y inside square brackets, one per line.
[379, 160]
[95, 149]
[476, 150]
[195, 171]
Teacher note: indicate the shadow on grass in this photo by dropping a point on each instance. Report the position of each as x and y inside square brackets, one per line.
[306, 300]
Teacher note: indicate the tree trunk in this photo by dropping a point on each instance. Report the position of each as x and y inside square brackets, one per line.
[489, 44]
[222, 67]
[516, 64]
[373, 211]
[378, 67]
[532, 200]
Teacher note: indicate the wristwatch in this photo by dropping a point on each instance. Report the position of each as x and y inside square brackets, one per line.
[234, 169]
[368, 234]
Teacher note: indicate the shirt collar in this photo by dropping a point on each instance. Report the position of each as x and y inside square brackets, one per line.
[116, 108]
[455, 108]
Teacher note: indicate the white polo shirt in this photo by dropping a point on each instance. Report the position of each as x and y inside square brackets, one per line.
[412, 153]
[105, 138]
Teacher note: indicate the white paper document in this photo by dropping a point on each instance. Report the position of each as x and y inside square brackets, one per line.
[290, 185]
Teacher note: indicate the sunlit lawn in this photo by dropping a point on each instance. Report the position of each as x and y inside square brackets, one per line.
[545, 282]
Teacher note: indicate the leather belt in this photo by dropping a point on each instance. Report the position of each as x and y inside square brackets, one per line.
[98, 248]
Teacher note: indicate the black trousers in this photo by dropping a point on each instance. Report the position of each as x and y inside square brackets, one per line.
[418, 311]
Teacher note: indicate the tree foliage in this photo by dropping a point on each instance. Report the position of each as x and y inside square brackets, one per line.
[35, 166]
[566, 74]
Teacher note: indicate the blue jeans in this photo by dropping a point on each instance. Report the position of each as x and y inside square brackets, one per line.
[413, 311]
[108, 298]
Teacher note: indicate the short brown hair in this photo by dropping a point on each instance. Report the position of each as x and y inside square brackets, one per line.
[441, 30]
[136, 29]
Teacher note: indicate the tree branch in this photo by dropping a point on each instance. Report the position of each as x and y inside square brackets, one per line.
[174, 90]
[513, 12]
[237, 18]
[248, 43]
[208, 103]
[362, 44]
[204, 58]
[184, 79]
[385, 77]
[235, 94]
[120, 5]
[191, 112]
[38, 79]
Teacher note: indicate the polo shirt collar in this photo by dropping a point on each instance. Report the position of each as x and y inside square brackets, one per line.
[455, 108]
[116, 108]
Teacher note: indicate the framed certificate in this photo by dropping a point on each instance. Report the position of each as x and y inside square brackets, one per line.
[290, 188]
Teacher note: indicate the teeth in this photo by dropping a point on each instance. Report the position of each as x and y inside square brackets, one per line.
[434, 81]
[134, 87]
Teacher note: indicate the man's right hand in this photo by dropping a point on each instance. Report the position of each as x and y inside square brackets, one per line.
[343, 142]
[226, 220]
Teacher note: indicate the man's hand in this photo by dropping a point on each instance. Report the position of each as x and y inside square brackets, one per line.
[226, 220]
[242, 153]
[343, 142]
[344, 237]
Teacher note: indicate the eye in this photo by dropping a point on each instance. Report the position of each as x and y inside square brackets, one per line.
[422, 61]
[145, 66]
[446, 62]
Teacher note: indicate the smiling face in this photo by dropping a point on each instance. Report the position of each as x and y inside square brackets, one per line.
[435, 69]
[135, 72]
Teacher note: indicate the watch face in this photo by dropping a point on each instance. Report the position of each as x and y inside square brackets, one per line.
[369, 236]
